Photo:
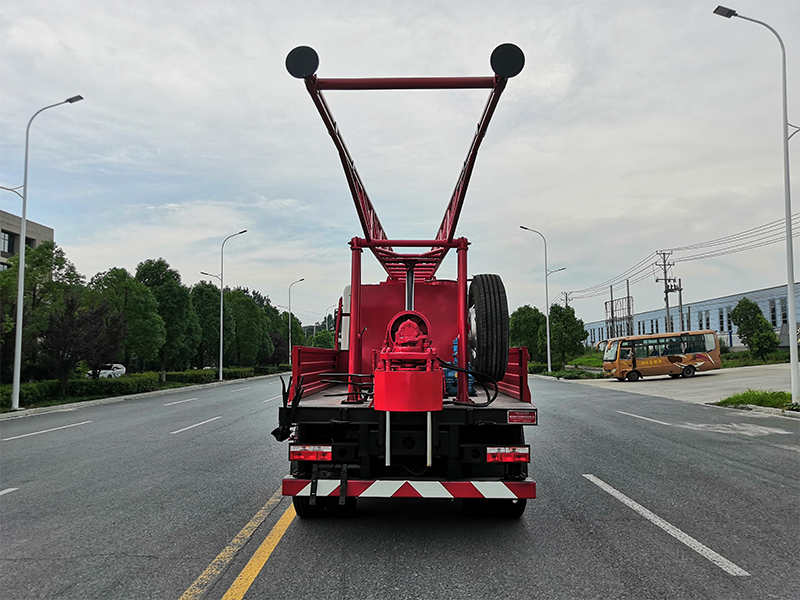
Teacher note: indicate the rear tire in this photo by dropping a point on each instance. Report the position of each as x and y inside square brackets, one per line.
[304, 509]
[488, 337]
[633, 376]
[688, 371]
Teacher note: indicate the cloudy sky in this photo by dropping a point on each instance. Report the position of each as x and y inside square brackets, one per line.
[635, 126]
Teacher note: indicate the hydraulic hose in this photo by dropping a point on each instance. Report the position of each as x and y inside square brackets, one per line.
[481, 378]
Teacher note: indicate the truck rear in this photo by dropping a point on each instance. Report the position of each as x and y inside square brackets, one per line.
[422, 397]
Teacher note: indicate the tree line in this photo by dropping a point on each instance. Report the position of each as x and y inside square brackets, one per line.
[528, 327]
[148, 320]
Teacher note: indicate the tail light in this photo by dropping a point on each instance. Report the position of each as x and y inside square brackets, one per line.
[316, 453]
[508, 454]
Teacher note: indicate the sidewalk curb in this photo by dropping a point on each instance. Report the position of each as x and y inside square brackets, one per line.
[43, 410]
[779, 412]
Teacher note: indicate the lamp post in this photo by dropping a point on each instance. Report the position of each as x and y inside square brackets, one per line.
[21, 280]
[326, 315]
[795, 370]
[290, 318]
[221, 291]
[547, 273]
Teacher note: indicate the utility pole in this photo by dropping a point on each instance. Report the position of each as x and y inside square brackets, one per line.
[613, 333]
[566, 299]
[680, 303]
[669, 286]
[629, 318]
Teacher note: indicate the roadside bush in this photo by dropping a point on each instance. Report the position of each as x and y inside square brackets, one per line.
[269, 370]
[30, 394]
[282, 368]
[195, 376]
[46, 392]
[536, 368]
[574, 374]
[121, 386]
[237, 372]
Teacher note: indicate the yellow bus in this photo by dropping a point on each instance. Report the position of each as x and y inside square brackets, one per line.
[675, 354]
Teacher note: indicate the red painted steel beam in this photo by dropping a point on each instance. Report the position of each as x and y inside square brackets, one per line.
[405, 83]
[447, 229]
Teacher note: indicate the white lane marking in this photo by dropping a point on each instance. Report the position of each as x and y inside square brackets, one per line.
[747, 429]
[193, 426]
[16, 437]
[180, 401]
[240, 389]
[8, 491]
[273, 398]
[787, 447]
[643, 418]
[720, 561]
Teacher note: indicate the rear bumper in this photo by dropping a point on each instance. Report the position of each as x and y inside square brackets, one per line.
[403, 488]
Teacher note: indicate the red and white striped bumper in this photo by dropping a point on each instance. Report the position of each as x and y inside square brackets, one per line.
[403, 488]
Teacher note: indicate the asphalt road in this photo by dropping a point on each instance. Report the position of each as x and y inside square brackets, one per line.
[172, 497]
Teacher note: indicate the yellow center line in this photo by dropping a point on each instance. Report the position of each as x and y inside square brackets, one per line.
[259, 559]
[223, 559]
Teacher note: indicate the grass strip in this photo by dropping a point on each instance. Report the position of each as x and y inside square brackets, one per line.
[782, 400]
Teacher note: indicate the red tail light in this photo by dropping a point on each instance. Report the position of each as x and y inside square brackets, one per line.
[316, 453]
[504, 454]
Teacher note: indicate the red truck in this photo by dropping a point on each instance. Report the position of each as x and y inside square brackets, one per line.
[422, 398]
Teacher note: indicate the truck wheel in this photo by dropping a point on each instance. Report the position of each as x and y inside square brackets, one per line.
[510, 509]
[304, 509]
[488, 320]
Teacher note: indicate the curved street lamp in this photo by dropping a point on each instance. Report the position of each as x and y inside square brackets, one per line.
[795, 369]
[221, 290]
[290, 318]
[547, 273]
[21, 280]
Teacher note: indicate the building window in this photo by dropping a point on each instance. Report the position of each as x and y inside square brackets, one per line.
[721, 320]
[784, 311]
[8, 242]
[773, 313]
[657, 325]
[730, 325]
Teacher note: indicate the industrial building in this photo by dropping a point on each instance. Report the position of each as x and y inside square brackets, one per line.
[707, 314]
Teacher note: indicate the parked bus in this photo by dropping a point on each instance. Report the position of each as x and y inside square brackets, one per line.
[675, 354]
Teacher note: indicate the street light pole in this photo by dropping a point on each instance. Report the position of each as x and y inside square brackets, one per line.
[221, 291]
[546, 293]
[290, 318]
[795, 369]
[21, 279]
[326, 315]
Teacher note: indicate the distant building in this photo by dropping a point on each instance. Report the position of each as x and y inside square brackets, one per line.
[11, 228]
[707, 314]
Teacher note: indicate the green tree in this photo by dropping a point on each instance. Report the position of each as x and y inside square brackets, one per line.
[753, 328]
[524, 326]
[175, 307]
[205, 299]
[49, 276]
[146, 332]
[323, 339]
[298, 338]
[249, 331]
[566, 335]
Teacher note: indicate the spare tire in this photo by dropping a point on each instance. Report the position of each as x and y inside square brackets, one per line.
[488, 321]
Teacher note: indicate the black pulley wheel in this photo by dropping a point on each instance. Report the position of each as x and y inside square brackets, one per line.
[488, 317]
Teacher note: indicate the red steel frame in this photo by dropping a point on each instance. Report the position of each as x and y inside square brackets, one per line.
[398, 265]
[425, 264]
